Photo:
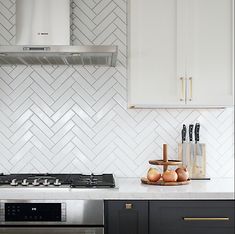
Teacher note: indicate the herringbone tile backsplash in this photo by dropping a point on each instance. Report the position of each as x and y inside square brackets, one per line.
[75, 119]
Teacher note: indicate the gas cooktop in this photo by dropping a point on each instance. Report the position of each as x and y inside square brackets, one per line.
[58, 180]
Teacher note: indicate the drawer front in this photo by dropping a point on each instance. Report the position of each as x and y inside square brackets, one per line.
[191, 217]
[126, 217]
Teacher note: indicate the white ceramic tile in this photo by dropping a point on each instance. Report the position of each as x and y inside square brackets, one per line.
[75, 119]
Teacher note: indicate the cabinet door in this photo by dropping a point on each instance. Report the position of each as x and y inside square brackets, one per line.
[154, 73]
[126, 217]
[210, 52]
[191, 217]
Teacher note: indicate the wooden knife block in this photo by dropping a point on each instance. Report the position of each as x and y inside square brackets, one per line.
[193, 157]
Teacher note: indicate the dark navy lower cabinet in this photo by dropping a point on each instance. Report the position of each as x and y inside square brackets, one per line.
[126, 217]
[170, 216]
[191, 217]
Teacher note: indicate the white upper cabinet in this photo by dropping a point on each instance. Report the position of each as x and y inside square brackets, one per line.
[180, 53]
[210, 52]
[152, 58]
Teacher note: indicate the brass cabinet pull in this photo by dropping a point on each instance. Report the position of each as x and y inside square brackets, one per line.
[205, 219]
[191, 89]
[128, 206]
[182, 89]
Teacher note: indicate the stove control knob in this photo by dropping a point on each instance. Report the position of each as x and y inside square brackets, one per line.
[35, 182]
[57, 182]
[25, 183]
[14, 182]
[46, 182]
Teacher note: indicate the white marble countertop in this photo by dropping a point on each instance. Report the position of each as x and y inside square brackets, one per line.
[130, 188]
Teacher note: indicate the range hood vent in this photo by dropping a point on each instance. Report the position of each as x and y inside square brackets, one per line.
[43, 36]
[59, 55]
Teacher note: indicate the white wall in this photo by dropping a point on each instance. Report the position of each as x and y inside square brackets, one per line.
[75, 119]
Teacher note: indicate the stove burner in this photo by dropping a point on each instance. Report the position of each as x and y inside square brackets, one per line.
[57, 180]
[91, 181]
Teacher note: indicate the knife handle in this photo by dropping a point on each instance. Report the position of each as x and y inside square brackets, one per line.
[183, 133]
[197, 129]
[191, 132]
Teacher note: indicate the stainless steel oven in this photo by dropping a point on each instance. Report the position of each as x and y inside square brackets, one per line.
[51, 216]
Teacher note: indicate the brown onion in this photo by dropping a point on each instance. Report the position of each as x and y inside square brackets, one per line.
[169, 176]
[182, 173]
[153, 175]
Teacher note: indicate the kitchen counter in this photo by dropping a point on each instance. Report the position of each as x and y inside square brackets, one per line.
[130, 188]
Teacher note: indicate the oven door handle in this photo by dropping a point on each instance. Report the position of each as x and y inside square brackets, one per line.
[51, 230]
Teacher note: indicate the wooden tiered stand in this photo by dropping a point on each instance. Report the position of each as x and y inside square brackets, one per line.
[165, 163]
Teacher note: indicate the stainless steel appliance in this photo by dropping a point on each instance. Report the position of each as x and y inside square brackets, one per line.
[58, 180]
[43, 38]
[51, 216]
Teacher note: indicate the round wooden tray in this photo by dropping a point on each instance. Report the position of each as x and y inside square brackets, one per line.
[144, 180]
[168, 163]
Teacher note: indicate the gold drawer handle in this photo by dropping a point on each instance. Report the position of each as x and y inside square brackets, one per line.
[128, 206]
[205, 219]
[182, 89]
[191, 88]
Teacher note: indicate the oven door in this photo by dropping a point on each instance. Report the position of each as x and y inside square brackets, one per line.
[50, 230]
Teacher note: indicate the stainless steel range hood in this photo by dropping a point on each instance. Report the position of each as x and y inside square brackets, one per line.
[58, 55]
[43, 38]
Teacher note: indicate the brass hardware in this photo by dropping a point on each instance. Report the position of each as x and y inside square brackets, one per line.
[182, 89]
[128, 206]
[205, 219]
[191, 89]
[131, 107]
